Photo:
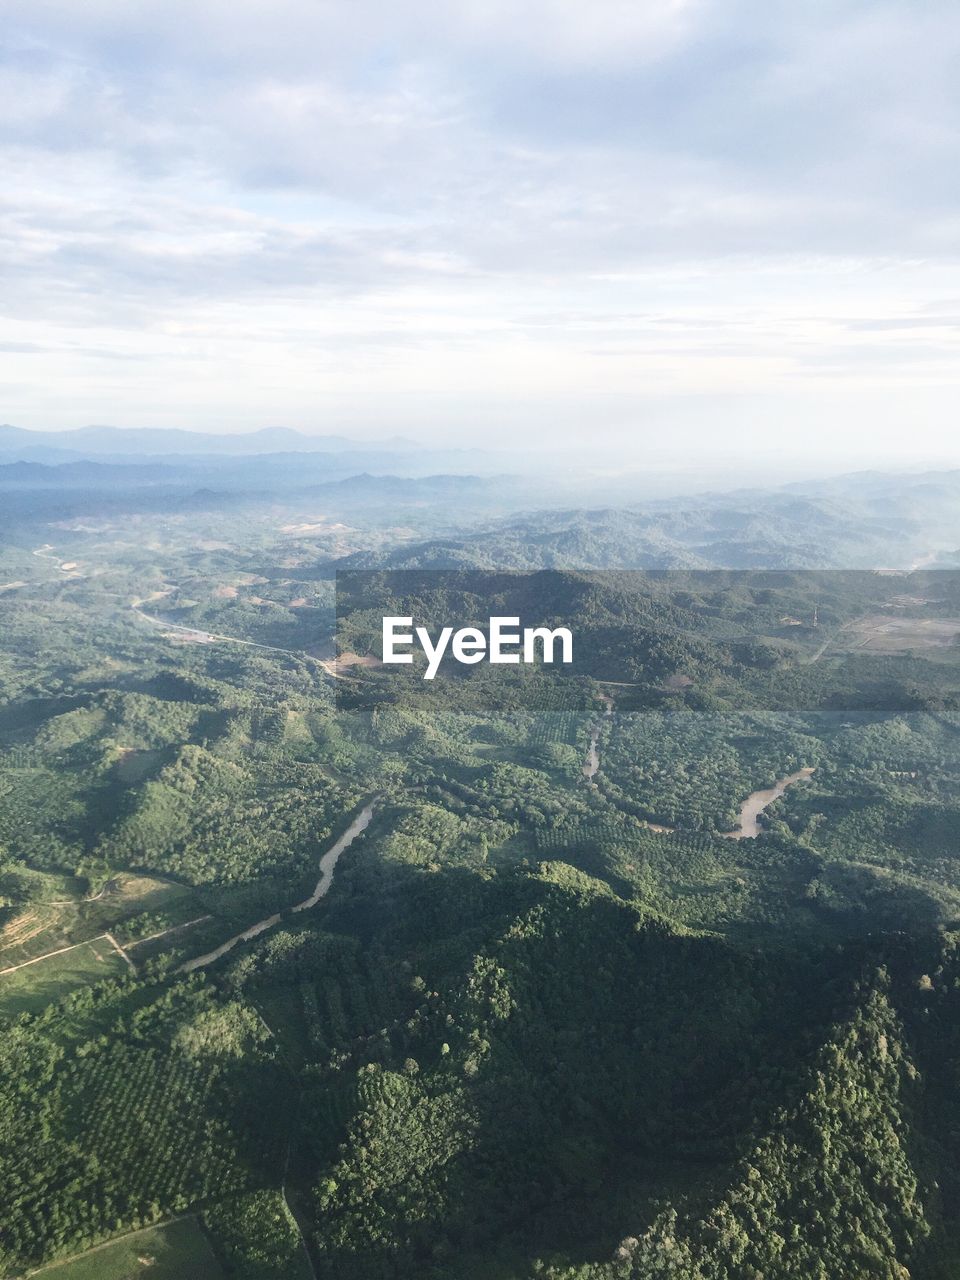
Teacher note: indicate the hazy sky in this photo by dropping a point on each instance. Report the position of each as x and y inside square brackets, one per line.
[679, 223]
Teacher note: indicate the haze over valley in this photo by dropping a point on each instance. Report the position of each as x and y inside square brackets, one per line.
[479, 640]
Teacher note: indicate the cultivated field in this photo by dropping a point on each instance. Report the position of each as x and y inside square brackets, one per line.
[880, 633]
[177, 1251]
[32, 987]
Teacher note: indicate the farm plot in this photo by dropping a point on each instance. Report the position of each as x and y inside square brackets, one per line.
[883, 633]
[34, 932]
[176, 1251]
[33, 985]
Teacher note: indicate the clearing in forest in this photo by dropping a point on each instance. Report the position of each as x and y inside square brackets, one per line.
[32, 987]
[881, 633]
[177, 1251]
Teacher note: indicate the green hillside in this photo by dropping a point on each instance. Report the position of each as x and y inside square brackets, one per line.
[346, 965]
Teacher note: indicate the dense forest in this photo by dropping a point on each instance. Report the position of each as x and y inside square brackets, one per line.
[375, 980]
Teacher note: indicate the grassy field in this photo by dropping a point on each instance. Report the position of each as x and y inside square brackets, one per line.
[67, 916]
[129, 895]
[32, 933]
[31, 988]
[177, 1251]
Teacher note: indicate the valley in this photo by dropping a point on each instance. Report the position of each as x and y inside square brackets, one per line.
[296, 930]
[479, 641]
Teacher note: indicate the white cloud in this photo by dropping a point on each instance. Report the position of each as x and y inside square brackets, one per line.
[368, 215]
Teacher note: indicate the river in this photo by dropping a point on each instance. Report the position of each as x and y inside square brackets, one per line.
[327, 864]
[750, 810]
[757, 801]
[748, 829]
[332, 856]
[591, 765]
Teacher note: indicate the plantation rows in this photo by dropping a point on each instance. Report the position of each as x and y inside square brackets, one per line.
[691, 770]
[145, 1109]
[98, 1135]
[352, 1010]
[556, 726]
[151, 1145]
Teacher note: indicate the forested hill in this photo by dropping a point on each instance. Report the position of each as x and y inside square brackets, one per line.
[566, 1005]
[842, 528]
[450, 509]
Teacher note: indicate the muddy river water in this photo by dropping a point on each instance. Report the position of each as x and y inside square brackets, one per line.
[750, 811]
[327, 864]
[757, 801]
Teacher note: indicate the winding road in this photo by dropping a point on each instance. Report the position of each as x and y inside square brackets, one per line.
[203, 635]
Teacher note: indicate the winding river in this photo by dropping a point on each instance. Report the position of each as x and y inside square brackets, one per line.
[327, 864]
[591, 765]
[757, 801]
[748, 829]
[750, 811]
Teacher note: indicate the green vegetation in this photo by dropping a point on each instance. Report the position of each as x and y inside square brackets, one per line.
[176, 1251]
[528, 1031]
[163, 1086]
[259, 1238]
[31, 988]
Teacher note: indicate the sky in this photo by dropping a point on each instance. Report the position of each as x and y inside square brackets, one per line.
[721, 226]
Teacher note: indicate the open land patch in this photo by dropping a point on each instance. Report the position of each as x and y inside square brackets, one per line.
[176, 1251]
[880, 633]
[33, 986]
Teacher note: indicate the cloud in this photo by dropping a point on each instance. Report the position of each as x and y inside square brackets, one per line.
[381, 201]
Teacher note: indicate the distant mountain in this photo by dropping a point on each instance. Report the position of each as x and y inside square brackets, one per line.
[32, 493]
[453, 516]
[286, 474]
[872, 485]
[148, 441]
[88, 474]
[745, 530]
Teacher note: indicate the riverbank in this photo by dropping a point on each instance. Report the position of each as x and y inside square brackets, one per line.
[757, 801]
[328, 864]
